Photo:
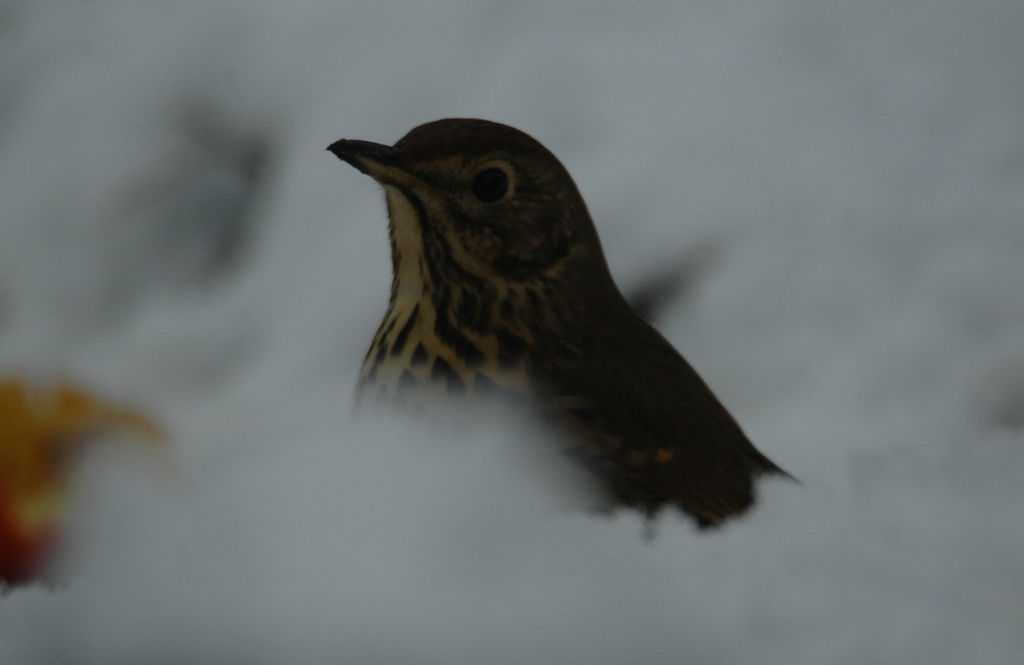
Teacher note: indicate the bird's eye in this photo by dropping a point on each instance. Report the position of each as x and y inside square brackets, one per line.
[490, 185]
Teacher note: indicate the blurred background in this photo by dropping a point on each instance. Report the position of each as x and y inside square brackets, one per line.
[838, 186]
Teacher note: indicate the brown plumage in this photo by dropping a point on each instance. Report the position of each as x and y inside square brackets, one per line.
[500, 284]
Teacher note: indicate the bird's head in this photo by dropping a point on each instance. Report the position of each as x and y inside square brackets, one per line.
[478, 200]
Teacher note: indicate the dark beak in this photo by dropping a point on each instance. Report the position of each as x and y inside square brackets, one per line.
[376, 160]
[358, 153]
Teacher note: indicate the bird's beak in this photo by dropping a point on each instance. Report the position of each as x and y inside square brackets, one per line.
[376, 160]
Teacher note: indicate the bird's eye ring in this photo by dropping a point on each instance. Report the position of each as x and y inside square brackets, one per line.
[490, 185]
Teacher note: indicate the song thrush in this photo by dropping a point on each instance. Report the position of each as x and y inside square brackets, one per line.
[500, 285]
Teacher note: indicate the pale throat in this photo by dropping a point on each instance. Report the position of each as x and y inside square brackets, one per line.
[407, 249]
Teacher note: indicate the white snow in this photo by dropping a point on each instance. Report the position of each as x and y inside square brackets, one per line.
[175, 235]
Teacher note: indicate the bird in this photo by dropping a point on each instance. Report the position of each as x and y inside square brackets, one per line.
[500, 287]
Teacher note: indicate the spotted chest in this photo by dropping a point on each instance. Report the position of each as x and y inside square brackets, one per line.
[419, 354]
[446, 331]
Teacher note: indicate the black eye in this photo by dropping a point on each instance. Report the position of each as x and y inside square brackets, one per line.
[490, 185]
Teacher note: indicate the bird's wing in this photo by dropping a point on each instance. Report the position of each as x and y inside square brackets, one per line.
[651, 429]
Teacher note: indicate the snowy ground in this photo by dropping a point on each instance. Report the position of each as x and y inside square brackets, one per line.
[175, 235]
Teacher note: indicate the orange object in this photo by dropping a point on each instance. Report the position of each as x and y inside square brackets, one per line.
[42, 432]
